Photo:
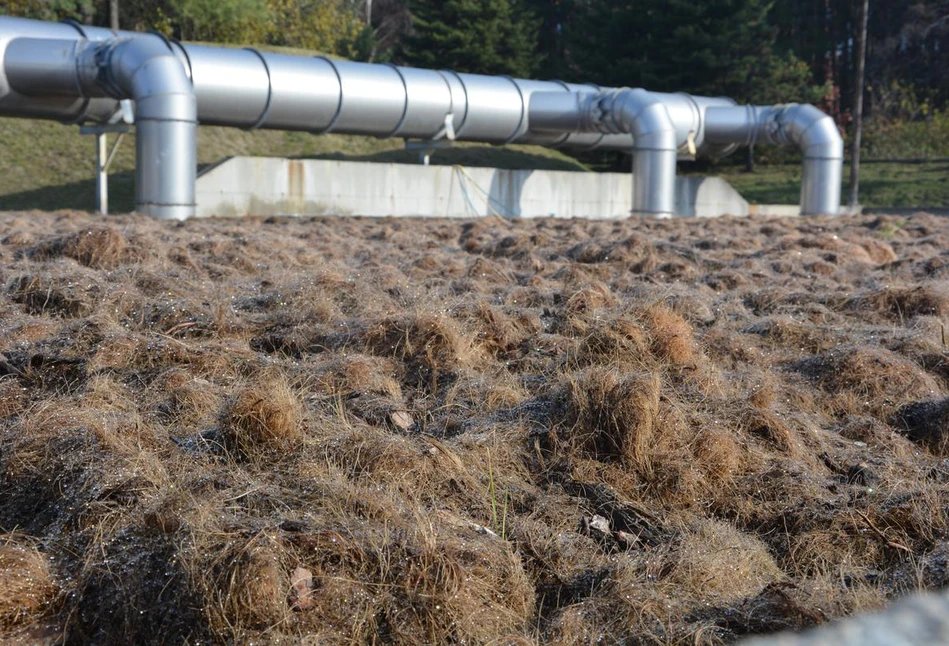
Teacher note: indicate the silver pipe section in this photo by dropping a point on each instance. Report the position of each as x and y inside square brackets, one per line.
[636, 113]
[804, 126]
[143, 70]
[246, 88]
[78, 74]
[711, 127]
[252, 89]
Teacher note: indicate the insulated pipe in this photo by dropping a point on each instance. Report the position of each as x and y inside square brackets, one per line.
[142, 69]
[638, 113]
[47, 71]
[716, 126]
[642, 115]
[804, 126]
[249, 89]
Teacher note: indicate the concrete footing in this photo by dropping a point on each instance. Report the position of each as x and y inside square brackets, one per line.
[241, 186]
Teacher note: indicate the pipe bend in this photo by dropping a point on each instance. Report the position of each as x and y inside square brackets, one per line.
[633, 111]
[644, 116]
[144, 70]
[815, 133]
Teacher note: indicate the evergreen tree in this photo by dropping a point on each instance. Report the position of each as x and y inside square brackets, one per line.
[478, 36]
[714, 47]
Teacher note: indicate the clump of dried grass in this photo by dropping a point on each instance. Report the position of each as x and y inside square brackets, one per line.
[26, 584]
[431, 346]
[719, 455]
[717, 563]
[359, 373]
[265, 415]
[868, 379]
[589, 299]
[98, 247]
[13, 398]
[188, 399]
[244, 582]
[672, 336]
[613, 416]
[621, 342]
[501, 332]
[903, 303]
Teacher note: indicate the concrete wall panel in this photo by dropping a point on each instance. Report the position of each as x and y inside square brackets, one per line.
[272, 186]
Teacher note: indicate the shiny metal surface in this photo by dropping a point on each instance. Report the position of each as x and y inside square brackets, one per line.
[231, 85]
[646, 118]
[804, 126]
[74, 73]
[641, 118]
[142, 69]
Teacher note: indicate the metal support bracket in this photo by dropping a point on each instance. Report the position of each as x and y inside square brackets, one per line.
[104, 158]
[426, 149]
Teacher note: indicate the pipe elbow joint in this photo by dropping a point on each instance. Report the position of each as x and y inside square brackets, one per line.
[144, 70]
[814, 132]
[644, 116]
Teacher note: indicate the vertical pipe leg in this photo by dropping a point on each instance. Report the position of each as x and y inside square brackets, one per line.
[102, 176]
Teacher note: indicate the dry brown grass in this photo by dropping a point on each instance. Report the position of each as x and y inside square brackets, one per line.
[613, 416]
[351, 431]
[98, 247]
[26, 584]
[672, 340]
[267, 415]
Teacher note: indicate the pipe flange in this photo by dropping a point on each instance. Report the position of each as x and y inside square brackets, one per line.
[266, 111]
[520, 123]
[405, 104]
[339, 103]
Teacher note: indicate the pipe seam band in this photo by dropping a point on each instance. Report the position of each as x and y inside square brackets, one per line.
[520, 123]
[339, 103]
[81, 115]
[451, 105]
[405, 104]
[464, 88]
[266, 111]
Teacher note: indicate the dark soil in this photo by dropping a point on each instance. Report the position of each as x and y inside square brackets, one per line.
[347, 430]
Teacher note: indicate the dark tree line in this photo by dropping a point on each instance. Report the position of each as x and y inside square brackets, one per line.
[754, 50]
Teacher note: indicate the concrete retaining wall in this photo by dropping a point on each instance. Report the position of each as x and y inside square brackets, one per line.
[271, 186]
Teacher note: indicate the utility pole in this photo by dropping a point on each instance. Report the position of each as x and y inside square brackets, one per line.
[858, 105]
[114, 15]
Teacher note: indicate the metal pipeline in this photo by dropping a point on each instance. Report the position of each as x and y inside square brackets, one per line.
[77, 74]
[143, 70]
[803, 126]
[701, 126]
[642, 115]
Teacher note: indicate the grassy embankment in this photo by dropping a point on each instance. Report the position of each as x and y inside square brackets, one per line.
[899, 185]
[46, 165]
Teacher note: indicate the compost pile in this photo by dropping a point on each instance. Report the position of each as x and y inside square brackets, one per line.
[347, 430]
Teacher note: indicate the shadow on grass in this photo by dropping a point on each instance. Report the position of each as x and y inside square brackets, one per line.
[81, 195]
[478, 156]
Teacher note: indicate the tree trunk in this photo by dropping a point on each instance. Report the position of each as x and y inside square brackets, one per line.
[858, 105]
[114, 15]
